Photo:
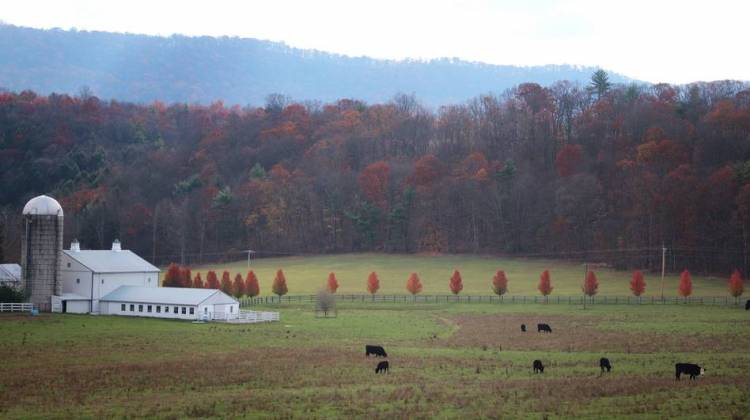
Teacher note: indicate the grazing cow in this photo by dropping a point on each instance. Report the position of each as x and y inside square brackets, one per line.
[375, 350]
[688, 369]
[747, 305]
[538, 366]
[543, 327]
[382, 367]
[604, 364]
[523, 327]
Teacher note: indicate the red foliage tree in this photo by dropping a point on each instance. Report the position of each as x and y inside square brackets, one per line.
[186, 277]
[637, 283]
[591, 284]
[685, 288]
[226, 283]
[238, 287]
[736, 288]
[456, 284]
[569, 159]
[212, 281]
[172, 277]
[500, 283]
[413, 284]
[373, 284]
[332, 284]
[198, 281]
[545, 284]
[252, 288]
[279, 284]
[373, 180]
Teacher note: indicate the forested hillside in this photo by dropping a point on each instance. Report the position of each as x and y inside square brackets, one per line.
[564, 171]
[242, 71]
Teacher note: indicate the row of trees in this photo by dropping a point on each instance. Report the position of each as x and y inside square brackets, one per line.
[179, 276]
[609, 174]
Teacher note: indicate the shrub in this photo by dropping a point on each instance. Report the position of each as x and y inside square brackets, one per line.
[456, 284]
[500, 283]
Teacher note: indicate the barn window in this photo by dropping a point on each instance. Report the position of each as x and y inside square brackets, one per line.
[102, 281]
[132, 308]
[122, 307]
[140, 308]
[183, 310]
[192, 311]
[205, 309]
[158, 309]
[175, 309]
[149, 279]
[78, 281]
[149, 308]
[68, 265]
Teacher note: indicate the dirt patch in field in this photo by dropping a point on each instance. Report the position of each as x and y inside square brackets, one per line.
[576, 334]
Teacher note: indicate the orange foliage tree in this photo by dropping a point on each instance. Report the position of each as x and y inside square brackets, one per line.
[591, 284]
[212, 281]
[252, 288]
[456, 284]
[545, 284]
[413, 284]
[226, 283]
[500, 283]
[568, 160]
[238, 287]
[279, 284]
[332, 284]
[373, 180]
[373, 284]
[172, 277]
[637, 283]
[186, 277]
[685, 287]
[198, 281]
[736, 288]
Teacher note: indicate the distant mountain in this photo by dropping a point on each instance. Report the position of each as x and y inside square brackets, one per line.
[241, 71]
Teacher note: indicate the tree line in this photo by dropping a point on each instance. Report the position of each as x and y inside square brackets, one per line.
[604, 172]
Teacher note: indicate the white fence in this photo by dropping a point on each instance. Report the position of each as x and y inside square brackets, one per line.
[16, 307]
[252, 317]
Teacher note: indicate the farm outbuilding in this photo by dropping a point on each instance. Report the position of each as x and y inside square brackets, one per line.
[170, 302]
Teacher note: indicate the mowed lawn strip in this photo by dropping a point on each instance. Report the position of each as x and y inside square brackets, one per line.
[307, 274]
[447, 360]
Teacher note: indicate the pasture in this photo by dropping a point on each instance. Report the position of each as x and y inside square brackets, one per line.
[306, 275]
[447, 361]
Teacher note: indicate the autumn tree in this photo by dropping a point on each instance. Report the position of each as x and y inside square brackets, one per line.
[569, 159]
[685, 287]
[590, 284]
[212, 281]
[252, 288]
[332, 285]
[279, 284]
[198, 281]
[238, 287]
[173, 276]
[736, 288]
[186, 277]
[637, 284]
[413, 284]
[455, 283]
[373, 284]
[226, 283]
[500, 283]
[545, 284]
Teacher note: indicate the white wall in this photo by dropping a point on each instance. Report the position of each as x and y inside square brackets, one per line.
[75, 277]
[77, 306]
[115, 308]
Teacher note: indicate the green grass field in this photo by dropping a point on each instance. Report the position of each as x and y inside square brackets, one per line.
[447, 361]
[306, 275]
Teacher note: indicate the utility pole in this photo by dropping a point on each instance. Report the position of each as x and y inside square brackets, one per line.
[249, 253]
[663, 267]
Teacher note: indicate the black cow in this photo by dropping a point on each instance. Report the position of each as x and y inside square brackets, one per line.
[538, 366]
[375, 350]
[747, 305]
[604, 364]
[382, 367]
[523, 327]
[688, 369]
[543, 327]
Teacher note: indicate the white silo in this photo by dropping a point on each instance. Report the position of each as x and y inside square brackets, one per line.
[41, 246]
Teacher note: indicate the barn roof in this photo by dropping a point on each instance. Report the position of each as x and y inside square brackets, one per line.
[165, 295]
[106, 261]
[10, 272]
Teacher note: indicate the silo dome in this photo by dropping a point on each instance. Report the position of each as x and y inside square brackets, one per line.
[43, 206]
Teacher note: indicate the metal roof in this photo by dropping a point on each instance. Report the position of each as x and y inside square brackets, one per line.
[72, 296]
[165, 295]
[10, 272]
[43, 205]
[106, 261]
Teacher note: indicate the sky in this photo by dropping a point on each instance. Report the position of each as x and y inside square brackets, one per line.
[655, 40]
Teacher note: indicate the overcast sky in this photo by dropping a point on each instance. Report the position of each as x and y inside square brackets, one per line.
[654, 40]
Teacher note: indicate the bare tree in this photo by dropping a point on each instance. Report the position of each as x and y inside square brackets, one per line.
[325, 302]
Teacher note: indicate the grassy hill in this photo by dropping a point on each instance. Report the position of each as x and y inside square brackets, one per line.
[306, 275]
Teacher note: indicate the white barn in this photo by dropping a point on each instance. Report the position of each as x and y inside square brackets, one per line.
[170, 302]
[87, 275]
